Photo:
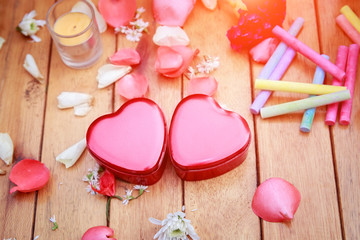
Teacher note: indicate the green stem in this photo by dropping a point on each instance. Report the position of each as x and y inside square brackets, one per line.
[108, 209]
[55, 226]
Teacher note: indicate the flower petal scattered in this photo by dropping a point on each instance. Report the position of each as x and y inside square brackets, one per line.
[72, 154]
[106, 184]
[117, 13]
[202, 85]
[6, 148]
[208, 64]
[126, 56]
[32, 68]
[72, 99]
[175, 226]
[170, 36]
[263, 51]
[135, 28]
[82, 109]
[29, 26]
[172, 12]
[110, 73]
[132, 86]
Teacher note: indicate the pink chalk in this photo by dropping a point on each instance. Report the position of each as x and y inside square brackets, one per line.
[302, 48]
[277, 74]
[348, 29]
[332, 109]
[352, 61]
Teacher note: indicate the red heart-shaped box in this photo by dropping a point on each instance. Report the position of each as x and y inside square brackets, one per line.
[131, 142]
[205, 140]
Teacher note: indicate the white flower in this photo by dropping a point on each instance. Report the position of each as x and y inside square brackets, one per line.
[29, 26]
[72, 154]
[2, 40]
[53, 220]
[6, 148]
[93, 179]
[141, 187]
[32, 68]
[127, 197]
[192, 72]
[133, 35]
[208, 65]
[139, 25]
[175, 227]
[110, 73]
[139, 11]
[170, 36]
[120, 29]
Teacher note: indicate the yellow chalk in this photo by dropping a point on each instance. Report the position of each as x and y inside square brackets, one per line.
[284, 86]
[351, 16]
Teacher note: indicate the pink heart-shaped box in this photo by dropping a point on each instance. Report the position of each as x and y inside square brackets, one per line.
[205, 140]
[131, 142]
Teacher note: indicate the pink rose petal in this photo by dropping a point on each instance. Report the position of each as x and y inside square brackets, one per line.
[117, 13]
[168, 61]
[276, 200]
[263, 51]
[98, 233]
[126, 56]
[202, 85]
[29, 175]
[172, 12]
[132, 86]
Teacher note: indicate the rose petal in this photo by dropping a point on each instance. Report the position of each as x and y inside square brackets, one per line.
[132, 86]
[172, 12]
[171, 54]
[29, 175]
[276, 200]
[106, 184]
[6, 148]
[209, 4]
[170, 36]
[98, 233]
[110, 73]
[202, 85]
[117, 13]
[32, 68]
[72, 154]
[82, 109]
[263, 51]
[71, 99]
[2, 41]
[126, 56]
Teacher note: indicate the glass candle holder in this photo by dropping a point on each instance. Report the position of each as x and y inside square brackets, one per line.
[75, 33]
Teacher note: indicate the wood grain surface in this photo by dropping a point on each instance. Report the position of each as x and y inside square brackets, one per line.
[322, 164]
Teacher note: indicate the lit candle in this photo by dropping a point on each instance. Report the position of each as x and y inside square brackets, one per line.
[70, 25]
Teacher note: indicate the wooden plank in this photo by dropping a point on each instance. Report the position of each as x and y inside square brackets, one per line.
[223, 203]
[22, 101]
[65, 195]
[304, 159]
[345, 138]
[165, 196]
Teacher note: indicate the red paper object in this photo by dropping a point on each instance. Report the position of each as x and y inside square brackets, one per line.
[206, 140]
[173, 61]
[98, 233]
[131, 142]
[117, 13]
[132, 86]
[106, 184]
[276, 200]
[126, 56]
[172, 12]
[29, 175]
[202, 85]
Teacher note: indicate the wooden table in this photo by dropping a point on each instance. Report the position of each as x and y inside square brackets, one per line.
[322, 164]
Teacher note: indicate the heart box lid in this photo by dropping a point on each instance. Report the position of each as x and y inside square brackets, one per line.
[205, 138]
[131, 142]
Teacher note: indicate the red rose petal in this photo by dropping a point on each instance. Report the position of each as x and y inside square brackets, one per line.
[29, 175]
[276, 200]
[132, 86]
[106, 184]
[263, 51]
[117, 13]
[98, 233]
[171, 54]
[172, 12]
[202, 85]
[126, 56]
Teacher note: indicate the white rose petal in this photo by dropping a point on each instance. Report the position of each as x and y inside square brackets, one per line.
[170, 36]
[110, 73]
[32, 68]
[82, 109]
[72, 99]
[6, 148]
[2, 40]
[29, 26]
[83, 8]
[72, 154]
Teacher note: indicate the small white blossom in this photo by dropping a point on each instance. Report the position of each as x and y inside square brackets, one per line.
[175, 227]
[29, 26]
[121, 29]
[139, 11]
[133, 35]
[134, 31]
[52, 219]
[191, 72]
[141, 187]
[139, 24]
[128, 196]
[93, 179]
[208, 65]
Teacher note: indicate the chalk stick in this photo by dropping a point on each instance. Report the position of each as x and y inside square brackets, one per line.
[348, 29]
[351, 17]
